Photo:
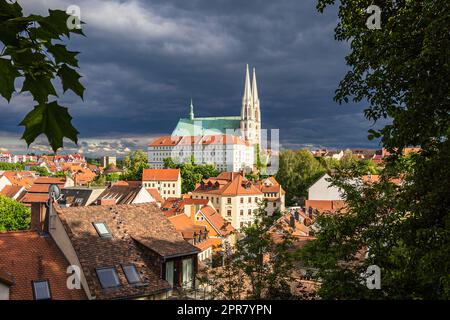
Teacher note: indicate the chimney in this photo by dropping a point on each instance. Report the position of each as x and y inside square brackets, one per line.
[292, 222]
[39, 217]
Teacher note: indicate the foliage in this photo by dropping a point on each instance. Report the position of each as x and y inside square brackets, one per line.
[405, 228]
[261, 264]
[134, 164]
[297, 171]
[43, 172]
[191, 174]
[33, 51]
[99, 181]
[13, 215]
[11, 166]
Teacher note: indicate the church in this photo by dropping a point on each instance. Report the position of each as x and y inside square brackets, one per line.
[247, 125]
[229, 143]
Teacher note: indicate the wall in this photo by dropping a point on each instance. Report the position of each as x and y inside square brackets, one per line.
[321, 190]
[4, 292]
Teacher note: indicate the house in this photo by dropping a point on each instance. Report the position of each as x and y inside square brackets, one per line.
[323, 190]
[38, 192]
[232, 195]
[79, 196]
[196, 235]
[226, 152]
[123, 251]
[274, 194]
[13, 192]
[33, 268]
[19, 178]
[166, 181]
[125, 192]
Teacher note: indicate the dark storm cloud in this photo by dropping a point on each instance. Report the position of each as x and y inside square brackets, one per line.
[143, 60]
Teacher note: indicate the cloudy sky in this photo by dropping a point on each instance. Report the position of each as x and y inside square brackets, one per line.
[142, 61]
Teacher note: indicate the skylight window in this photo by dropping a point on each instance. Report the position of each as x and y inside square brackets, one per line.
[41, 290]
[131, 274]
[108, 278]
[102, 229]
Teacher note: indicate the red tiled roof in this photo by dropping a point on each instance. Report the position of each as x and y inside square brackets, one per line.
[33, 257]
[155, 194]
[238, 186]
[50, 180]
[34, 197]
[10, 191]
[160, 174]
[216, 220]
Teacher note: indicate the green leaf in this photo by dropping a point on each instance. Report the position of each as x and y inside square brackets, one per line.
[70, 80]
[8, 74]
[39, 86]
[62, 55]
[52, 120]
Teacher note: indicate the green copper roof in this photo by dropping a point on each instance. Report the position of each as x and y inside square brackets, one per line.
[206, 126]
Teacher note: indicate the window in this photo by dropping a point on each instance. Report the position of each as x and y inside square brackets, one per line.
[229, 213]
[249, 212]
[41, 290]
[242, 212]
[249, 200]
[131, 274]
[242, 200]
[229, 200]
[102, 230]
[108, 278]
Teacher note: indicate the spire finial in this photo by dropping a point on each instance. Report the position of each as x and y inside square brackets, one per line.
[191, 113]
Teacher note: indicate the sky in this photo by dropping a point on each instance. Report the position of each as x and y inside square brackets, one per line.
[142, 62]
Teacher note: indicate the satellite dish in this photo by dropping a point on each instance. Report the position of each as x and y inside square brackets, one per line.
[54, 192]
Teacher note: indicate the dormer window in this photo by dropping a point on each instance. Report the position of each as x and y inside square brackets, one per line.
[41, 290]
[102, 230]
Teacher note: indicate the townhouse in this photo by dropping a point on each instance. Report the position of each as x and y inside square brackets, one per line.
[166, 181]
[232, 195]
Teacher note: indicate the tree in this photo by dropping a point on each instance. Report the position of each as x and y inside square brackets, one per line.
[13, 215]
[11, 166]
[297, 171]
[403, 228]
[134, 164]
[33, 50]
[169, 163]
[43, 172]
[261, 263]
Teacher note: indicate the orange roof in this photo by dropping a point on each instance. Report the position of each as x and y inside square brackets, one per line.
[39, 188]
[223, 227]
[50, 180]
[203, 140]
[238, 186]
[33, 257]
[160, 174]
[324, 205]
[11, 191]
[186, 226]
[208, 243]
[34, 197]
[155, 194]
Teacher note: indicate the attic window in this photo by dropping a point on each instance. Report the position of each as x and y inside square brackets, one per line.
[131, 274]
[102, 230]
[108, 278]
[41, 290]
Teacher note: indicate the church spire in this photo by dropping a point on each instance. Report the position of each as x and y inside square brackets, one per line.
[191, 112]
[247, 98]
[254, 87]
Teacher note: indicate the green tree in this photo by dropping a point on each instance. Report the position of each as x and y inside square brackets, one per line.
[134, 164]
[262, 263]
[169, 163]
[11, 166]
[297, 171]
[189, 178]
[13, 215]
[401, 69]
[33, 50]
[42, 171]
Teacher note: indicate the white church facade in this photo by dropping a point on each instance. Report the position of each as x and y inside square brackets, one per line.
[229, 143]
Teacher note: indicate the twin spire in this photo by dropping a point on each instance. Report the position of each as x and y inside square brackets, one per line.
[250, 92]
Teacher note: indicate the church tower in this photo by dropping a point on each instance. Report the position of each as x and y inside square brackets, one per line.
[250, 112]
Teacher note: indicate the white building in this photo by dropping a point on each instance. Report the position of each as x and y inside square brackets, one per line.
[323, 190]
[166, 181]
[225, 152]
